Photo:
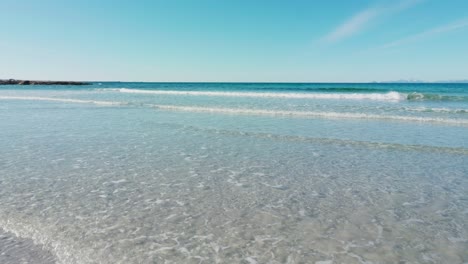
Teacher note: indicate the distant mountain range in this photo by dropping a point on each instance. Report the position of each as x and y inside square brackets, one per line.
[421, 81]
[454, 81]
[35, 82]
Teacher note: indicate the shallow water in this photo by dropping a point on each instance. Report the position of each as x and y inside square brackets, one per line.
[15, 250]
[99, 175]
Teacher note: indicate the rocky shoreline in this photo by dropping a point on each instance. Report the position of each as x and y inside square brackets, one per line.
[32, 82]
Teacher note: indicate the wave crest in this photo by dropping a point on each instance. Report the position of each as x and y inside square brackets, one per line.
[63, 100]
[434, 97]
[312, 114]
[249, 111]
[341, 93]
[390, 96]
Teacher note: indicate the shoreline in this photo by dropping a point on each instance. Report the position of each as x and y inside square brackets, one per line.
[35, 82]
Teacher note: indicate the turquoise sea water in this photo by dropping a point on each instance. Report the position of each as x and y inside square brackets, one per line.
[234, 173]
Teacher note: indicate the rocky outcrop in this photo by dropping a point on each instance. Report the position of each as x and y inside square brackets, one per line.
[29, 82]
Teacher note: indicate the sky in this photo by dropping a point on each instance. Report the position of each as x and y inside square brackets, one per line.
[234, 41]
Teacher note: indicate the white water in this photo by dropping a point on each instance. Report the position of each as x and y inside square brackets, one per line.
[62, 100]
[390, 96]
[241, 111]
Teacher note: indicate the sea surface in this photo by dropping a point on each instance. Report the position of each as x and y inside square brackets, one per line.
[234, 173]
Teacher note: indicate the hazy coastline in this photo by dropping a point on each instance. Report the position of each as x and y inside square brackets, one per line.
[37, 82]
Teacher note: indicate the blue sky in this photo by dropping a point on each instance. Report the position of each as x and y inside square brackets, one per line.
[238, 40]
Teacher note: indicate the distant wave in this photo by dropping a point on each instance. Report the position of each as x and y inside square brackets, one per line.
[311, 114]
[345, 94]
[435, 97]
[349, 89]
[64, 100]
[390, 96]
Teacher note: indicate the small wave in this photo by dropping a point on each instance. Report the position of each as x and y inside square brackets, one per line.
[305, 139]
[437, 110]
[390, 96]
[248, 111]
[64, 100]
[434, 97]
[311, 114]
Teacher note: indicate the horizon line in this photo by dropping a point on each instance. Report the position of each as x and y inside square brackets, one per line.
[259, 82]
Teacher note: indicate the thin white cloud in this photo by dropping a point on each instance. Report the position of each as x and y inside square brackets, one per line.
[363, 19]
[352, 26]
[460, 24]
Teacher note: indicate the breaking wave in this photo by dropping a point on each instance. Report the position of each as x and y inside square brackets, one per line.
[390, 96]
[63, 100]
[341, 93]
[435, 97]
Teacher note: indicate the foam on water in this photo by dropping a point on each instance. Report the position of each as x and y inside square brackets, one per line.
[436, 110]
[390, 96]
[62, 100]
[415, 96]
[241, 111]
[311, 114]
[341, 93]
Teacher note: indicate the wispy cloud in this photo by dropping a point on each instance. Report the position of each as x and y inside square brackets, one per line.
[460, 24]
[352, 26]
[363, 19]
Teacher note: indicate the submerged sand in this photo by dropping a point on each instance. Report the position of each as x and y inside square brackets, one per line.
[15, 250]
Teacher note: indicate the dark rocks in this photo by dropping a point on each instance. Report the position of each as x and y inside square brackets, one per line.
[29, 82]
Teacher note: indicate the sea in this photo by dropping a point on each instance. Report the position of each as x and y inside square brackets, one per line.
[322, 173]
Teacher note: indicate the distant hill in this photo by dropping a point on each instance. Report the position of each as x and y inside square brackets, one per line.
[453, 81]
[421, 81]
[33, 82]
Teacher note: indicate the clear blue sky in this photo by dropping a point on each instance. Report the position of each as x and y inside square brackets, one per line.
[237, 40]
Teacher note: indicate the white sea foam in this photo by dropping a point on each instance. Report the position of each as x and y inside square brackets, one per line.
[437, 110]
[311, 114]
[64, 100]
[248, 111]
[390, 96]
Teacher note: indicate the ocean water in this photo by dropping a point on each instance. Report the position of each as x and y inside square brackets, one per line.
[234, 173]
